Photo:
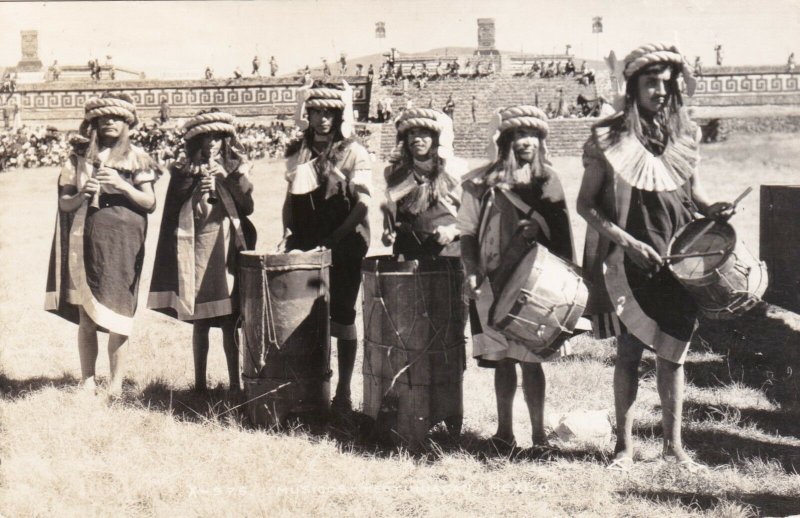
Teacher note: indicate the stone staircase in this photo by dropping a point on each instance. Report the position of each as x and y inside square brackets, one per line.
[566, 137]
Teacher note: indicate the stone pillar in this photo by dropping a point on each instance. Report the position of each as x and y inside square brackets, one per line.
[30, 62]
[486, 48]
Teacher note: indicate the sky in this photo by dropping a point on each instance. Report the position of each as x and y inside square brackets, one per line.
[178, 39]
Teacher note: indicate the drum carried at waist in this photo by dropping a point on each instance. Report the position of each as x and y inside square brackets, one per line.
[286, 334]
[723, 277]
[543, 297]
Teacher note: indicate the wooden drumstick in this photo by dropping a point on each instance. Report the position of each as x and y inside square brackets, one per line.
[711, 223]
[687, 256]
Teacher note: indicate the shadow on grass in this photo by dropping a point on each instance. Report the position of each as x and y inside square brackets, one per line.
[215, 405]
[11, 389]
[761, 504]
[720, 448]
[776, 422]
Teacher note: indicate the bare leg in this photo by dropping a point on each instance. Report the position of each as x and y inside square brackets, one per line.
[505, 387]
[87, 350]
[346, 356]
[200, 353]
[533, 387]
[231, 354]
[669, 379]
[116, 359]
[626, 386]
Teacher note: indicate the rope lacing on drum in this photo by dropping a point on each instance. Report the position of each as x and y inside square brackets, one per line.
[437, 331]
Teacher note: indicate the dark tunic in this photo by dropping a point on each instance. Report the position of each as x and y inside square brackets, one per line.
[317, 213]
[646, 190]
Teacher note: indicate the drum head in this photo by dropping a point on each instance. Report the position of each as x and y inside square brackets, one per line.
[720, 237]
[516, 282]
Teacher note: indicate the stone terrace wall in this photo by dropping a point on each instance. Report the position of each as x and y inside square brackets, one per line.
[745, 86]
[250, 97]
[567, 137]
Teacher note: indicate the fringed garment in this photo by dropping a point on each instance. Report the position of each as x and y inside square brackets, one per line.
[419, 200]
[492, 214]
[97, 253]
[323, 190]
[194, 274]
[650, 197]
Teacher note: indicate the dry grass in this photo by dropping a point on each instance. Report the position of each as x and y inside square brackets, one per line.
[161, 450]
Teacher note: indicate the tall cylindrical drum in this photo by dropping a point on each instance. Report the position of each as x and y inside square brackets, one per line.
[414, 356]
[286, 334]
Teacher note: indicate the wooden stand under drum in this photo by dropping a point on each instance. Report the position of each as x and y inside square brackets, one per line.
[544, 297]
[414, 340]
[724, 278]
[286, 334]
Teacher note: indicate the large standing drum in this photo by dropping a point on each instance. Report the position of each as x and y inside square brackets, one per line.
[543, 298]
[724, 284]
[287, 341]
[414, 356]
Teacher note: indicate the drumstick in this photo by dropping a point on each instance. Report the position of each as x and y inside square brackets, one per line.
[710, 224]
[694, 254]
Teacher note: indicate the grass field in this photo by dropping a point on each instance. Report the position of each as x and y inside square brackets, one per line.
[162, 451]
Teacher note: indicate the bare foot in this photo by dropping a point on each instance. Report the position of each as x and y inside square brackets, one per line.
[114, 392]
[676, 453]
[88, 387]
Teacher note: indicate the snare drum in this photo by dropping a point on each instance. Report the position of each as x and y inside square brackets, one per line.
[544, 297]
[723, 285]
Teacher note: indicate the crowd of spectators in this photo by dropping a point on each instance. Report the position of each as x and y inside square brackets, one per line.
[582, 107]
[42, 147]
[32, 147]
[419, 74]
[556, 69]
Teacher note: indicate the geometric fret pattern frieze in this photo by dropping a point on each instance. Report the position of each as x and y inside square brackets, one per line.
[275, 96]
[780, 83]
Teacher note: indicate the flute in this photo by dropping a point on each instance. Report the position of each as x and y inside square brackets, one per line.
[95, 198]
[205, 169]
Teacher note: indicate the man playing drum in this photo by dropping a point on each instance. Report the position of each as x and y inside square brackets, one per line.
[640, 186]
[518, 186]
[329, 177]
[423, 187]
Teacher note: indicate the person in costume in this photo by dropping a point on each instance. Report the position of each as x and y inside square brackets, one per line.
[640, 186]
[203, 229]
[329, 175]
[518, 188]
[105, 194]
[423, 187]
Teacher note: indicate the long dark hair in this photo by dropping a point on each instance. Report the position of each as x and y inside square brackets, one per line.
[121, 147]
[506, 169]
[673, 118]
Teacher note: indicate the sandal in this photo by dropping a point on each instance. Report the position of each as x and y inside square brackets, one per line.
[500, 443]
[621, 464]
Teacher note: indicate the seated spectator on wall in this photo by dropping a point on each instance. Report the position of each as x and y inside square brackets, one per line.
[569, 68]
[209, 74]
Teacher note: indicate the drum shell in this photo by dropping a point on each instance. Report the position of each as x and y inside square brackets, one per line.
[286, 334]
[550, 301]
[733, 286]
[414, 315]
